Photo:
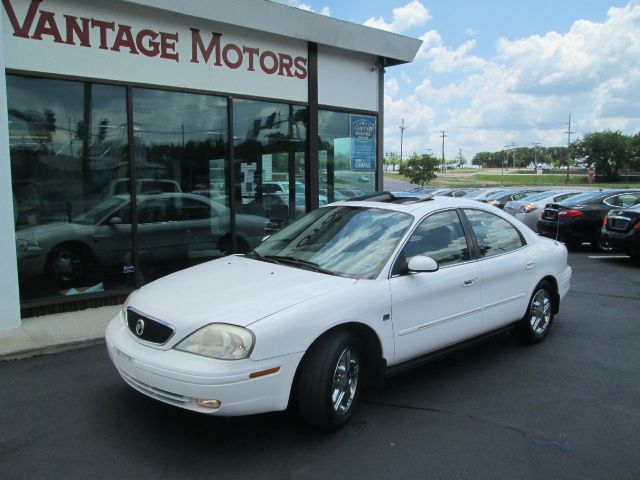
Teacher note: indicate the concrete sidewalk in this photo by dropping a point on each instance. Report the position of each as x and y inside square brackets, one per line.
[56, 333]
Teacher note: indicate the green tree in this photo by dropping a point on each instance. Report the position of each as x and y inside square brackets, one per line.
[420, 169]
[606, 150]
[460, 160]
[391, 158]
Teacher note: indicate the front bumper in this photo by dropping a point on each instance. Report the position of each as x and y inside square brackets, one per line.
[180, 378]
[564, 282]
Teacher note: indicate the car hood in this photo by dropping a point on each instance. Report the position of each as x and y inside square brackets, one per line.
[234, 290]
[49, 230]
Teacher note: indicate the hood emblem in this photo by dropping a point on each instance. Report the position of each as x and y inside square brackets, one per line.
[140, 327]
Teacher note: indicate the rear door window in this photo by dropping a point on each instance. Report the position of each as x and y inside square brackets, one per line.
[494, 234]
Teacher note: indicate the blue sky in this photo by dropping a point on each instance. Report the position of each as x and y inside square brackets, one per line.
[494, 72]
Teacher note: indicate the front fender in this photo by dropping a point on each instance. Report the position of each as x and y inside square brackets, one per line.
[293, 330]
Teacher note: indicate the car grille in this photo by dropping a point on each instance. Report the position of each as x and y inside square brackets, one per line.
[509, 210]
[148, 329]
[162, 395]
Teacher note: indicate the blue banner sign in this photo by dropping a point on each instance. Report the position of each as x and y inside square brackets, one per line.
[363, 142]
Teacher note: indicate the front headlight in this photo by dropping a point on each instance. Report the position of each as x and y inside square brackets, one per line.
[23, 245]
[219, 340]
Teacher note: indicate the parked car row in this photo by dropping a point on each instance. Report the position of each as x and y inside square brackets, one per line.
[580, 219]
[607, 219]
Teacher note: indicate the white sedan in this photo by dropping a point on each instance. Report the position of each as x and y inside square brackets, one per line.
[347, 294]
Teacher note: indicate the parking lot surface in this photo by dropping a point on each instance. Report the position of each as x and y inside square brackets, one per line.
[568, 408]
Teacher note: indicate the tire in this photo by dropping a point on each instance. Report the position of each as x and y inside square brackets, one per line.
[329, 381]
[601, 244]
[536, 322]
[67, 265]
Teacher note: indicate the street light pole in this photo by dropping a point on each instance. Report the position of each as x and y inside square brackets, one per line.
[443, 136]
[402, 129]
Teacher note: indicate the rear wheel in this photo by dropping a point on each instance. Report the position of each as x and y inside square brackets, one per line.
[601, 244]
[535, 325]
[329, 381]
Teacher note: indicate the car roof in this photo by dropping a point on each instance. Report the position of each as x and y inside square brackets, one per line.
[409, 204]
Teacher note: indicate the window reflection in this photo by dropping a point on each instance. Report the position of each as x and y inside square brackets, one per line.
[269, 151]
[67, 140]
[441, 237]
[338, 181]
[180, 159]
[494, 235]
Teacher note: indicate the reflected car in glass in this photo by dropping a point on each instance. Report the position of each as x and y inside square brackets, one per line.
[621, 230]
[171, 226]
[346, 295]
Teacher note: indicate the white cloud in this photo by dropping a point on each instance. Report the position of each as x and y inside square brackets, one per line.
[525, 92]
[444, 59]
[412, 15]
[391, 87]
[305, 6]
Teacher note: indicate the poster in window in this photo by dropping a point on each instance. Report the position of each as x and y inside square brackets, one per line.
[363, 142]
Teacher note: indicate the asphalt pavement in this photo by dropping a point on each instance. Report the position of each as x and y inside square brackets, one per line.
[565, 409]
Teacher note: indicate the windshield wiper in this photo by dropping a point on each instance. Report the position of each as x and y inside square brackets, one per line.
[282, 259]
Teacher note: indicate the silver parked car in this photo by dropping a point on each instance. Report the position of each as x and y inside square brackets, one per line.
[528, 209]
[171, 226]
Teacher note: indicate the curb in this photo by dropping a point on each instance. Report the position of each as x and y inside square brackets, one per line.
[49, 349]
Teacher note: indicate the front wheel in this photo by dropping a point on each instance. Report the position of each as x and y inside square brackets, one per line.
[66, 265]
[329, 381]
[535, 325]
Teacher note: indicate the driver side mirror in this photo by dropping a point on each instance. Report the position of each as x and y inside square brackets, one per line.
[420, 263]
[115, 221]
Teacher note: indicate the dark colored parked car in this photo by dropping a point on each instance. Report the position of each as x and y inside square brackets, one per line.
[579, 219]
[621, 230]
[500, 199]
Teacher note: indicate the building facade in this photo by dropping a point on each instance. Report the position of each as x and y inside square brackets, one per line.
[141, 137]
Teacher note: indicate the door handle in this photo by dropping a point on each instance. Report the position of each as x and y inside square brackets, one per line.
[468, 283]
[529, 265]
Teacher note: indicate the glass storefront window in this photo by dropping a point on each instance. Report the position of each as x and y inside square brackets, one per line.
[67, 140]
[71, 177]
[269, 153]
[347, 155]
[180, 156]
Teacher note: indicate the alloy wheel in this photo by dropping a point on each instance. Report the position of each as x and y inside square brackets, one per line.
[345, 381]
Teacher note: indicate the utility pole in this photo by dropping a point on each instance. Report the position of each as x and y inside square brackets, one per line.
[402, 129]
[568, 132]
[512, 146]
[443, 137]
[535, 155]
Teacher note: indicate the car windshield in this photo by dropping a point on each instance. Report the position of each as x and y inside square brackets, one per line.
[498, 195]
[101, 210]
[582, 198]
[538, 196]
[353, 242]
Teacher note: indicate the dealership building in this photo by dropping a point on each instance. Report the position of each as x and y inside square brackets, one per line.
[140, 137]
